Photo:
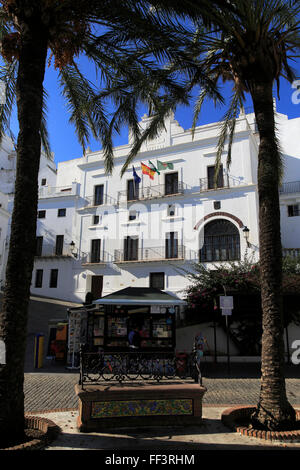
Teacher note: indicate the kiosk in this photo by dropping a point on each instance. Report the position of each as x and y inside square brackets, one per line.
[106, 324]
[150, 312]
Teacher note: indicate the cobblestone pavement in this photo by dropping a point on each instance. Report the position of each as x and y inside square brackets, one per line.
[50, 391]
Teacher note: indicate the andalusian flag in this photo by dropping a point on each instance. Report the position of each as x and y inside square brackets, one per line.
[153, 167]
[164, 166]
[147, 171]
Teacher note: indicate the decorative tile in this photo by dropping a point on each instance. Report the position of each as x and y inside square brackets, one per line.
[111, 409]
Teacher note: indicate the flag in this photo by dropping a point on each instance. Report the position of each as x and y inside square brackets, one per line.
[164, 166]
[153, 167]
[147, 171]
[136, 177]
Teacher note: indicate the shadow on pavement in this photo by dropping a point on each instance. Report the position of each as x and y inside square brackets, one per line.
[69, 441]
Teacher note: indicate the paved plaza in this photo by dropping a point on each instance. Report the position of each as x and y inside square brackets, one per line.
[50, 393]
[53, 388]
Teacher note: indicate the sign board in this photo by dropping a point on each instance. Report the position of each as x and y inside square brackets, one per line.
[226, 311]
[226, 302]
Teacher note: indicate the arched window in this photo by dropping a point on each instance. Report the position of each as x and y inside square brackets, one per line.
[221, 242]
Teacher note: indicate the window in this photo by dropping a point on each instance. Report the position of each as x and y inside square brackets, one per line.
[38, 278]
[293, 210]
[157, 280]
[59, 245]
[171, 183]
[61, 213]
[171, 246]
[53, 278]
[221, 242]
[132, 190]
[39, 246]
[211, 177]
[98, 194]
[95, 219]
[171, 210]
[133, 215]
[44, 181]
[217, 205]
[95, 250]
[131, 248]
[41, 214]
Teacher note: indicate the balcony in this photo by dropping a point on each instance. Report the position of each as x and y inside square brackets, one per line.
[291, 252]
[289, 188]
[51, 251]
[144, 255]
[105, 200]
[53, 191]
[152, 192]
[96, 259]
[207, 184]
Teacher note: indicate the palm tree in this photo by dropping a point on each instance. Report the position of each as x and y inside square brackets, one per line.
[107, 33]
[250, 44]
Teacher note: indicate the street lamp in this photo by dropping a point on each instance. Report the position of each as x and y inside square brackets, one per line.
[246, 235]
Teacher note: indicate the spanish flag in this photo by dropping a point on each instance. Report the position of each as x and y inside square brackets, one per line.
[147, 171]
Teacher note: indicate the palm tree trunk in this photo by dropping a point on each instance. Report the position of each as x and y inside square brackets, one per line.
[274, 412]
[13, 317]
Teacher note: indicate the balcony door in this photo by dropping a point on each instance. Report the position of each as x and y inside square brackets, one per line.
[39, 246]
[59, 245]
[131, 248]
[98, 194]
[171, 245]
[95, 250]
[171, 183]
[211, 176]
[132, 190]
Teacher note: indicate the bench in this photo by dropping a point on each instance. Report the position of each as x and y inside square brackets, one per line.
[138, 405]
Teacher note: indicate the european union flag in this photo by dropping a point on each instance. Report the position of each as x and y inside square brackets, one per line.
[136, 177]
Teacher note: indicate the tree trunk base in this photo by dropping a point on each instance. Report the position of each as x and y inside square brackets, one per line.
[279, 419]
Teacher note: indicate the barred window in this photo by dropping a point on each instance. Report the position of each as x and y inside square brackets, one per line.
[221, 242]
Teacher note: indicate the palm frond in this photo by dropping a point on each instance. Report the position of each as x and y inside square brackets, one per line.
[8, 79]
[44, 131]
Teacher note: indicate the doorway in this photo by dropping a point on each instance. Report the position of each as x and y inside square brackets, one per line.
[97, 286]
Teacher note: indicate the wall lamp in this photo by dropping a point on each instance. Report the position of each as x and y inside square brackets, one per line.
[73, 249]
[246, 235]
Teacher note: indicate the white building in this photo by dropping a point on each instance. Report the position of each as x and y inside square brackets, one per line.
[103, 233]
[47, 175]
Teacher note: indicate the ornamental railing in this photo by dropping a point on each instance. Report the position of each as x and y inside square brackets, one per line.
[291, 252]
[152, 192]
[288, 188]
[102, 367]
[103, 200]
[160, 253]
[207, 184]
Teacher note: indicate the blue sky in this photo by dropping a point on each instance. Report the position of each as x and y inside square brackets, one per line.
[63, 138]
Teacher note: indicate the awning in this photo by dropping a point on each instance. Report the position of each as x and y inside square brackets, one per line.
[140, 296]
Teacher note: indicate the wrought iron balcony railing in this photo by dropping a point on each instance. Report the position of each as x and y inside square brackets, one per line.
[152, 192]
[292, 252]
[287, 188]
[96, 258]
[52, 251]
[207, 184]
[160, 253]
[128, 366]
[105, 200]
